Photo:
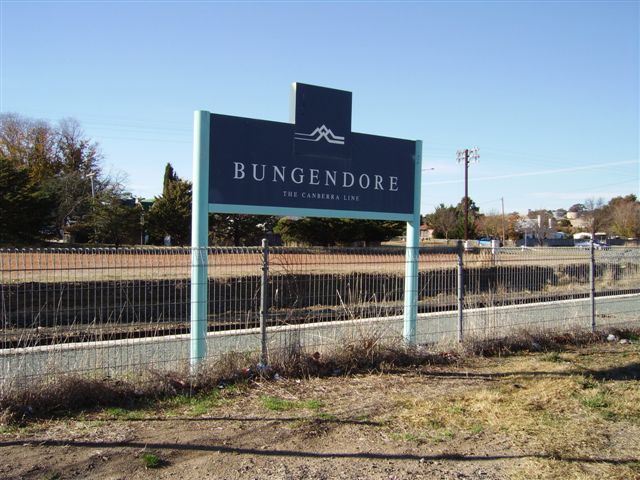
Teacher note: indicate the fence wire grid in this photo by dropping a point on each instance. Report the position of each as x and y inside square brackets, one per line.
[113, 311]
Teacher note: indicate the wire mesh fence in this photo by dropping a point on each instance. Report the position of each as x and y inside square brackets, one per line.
[108, 311]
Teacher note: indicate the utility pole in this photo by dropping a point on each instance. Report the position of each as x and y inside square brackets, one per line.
[465, 156]
[504, 238]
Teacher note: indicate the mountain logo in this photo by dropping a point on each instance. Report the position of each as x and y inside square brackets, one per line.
[318, 134]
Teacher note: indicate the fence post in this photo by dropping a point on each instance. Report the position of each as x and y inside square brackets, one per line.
[264, 302]
[460, 252]
[592, 285]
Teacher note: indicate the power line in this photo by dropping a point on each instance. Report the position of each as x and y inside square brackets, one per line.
[142, 139]
[543, 172]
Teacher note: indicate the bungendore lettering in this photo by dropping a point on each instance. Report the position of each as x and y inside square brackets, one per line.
[314, 176]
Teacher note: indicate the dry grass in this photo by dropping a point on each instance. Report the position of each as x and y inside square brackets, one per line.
[566, 406]
[559, 410]
[535, 341]
[367, 353]
[61, 394]
[229, 368]
[65, 393]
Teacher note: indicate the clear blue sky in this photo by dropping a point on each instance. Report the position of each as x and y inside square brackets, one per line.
[549, 91]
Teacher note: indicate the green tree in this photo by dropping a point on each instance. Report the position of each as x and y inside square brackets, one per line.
[170, 177]
[171, 214]
[238, 230]
[371, 231]
[22, 205]
[448, 222]
[474, 213]
[115, 220]
[60, 160]
[444, 221]
[578, 208]
[564, 225]
[336, 231]
[309, 230]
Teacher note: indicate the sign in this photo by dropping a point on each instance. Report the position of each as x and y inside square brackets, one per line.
[314, 166]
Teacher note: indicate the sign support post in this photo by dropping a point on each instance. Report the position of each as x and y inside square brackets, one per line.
[411, 284]
[199, 238]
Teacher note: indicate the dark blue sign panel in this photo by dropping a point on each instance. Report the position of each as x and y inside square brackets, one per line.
[316, 163]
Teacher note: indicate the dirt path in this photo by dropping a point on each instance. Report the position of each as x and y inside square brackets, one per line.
[570, 415]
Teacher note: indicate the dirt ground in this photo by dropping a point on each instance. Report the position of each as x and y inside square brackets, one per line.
[107, 264]
[573, 414]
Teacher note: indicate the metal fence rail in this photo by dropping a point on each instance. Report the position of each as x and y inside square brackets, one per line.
[114, 311]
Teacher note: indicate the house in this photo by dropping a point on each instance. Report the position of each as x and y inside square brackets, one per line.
[426, 233]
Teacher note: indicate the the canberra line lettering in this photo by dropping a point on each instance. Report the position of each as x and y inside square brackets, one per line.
[314, 176]
[335, 197]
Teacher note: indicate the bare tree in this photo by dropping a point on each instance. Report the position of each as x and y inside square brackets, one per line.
[74, 151]
[625, 216]
[29, 144]
[491, 225]
[597, 216]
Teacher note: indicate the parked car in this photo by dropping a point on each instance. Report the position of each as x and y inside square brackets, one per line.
[586, 245]
[488, 242]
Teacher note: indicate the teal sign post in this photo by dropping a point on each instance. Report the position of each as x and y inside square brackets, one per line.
[313, 166]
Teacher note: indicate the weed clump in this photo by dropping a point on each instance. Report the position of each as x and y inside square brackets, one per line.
[361, 354]
[151, 460]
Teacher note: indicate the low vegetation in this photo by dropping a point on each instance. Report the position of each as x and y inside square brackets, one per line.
[63, 394]
[151, 460]
[539, 406]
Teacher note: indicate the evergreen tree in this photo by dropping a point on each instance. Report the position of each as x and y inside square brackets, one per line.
[337, 231]
[171, 213]
[239, 229]
[114, 220]
[474, 213]
[22, 205]
[169, 178]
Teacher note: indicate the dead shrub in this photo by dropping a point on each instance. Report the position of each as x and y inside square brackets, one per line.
[526, 341]
[365, 353]
[227, 368]
[62, 394]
